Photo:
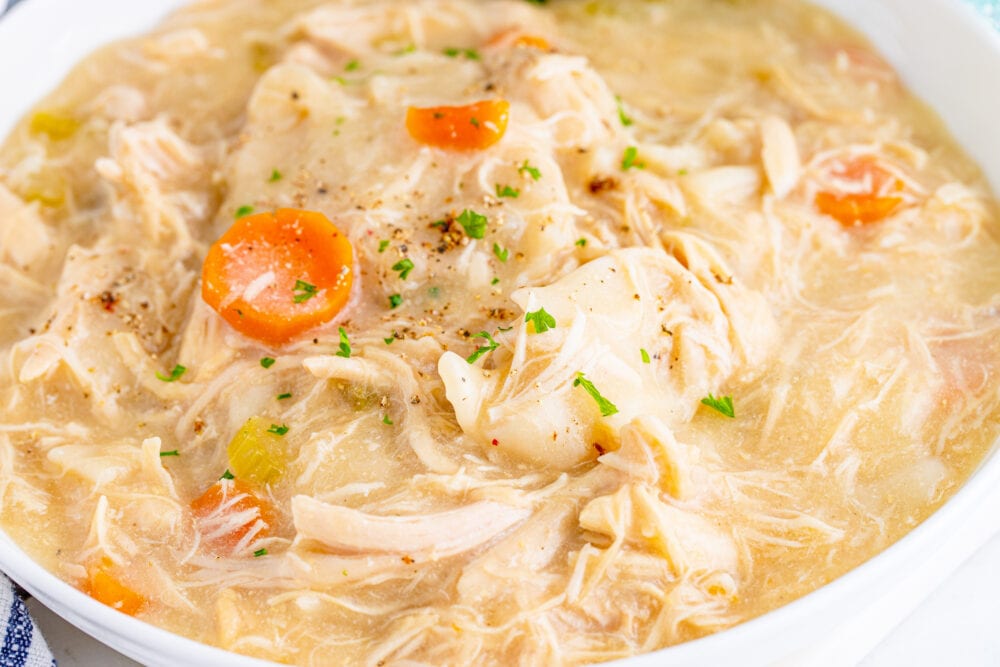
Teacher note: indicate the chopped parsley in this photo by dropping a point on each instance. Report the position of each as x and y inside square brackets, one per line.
[390, 340]
[351, 66]
[629, 159]
[406, 49]
[582, 243]
[275, 176]
[434, 292]
[282, 397]
[622, 116]
[382, 245]
[473, 223]
[454, 52]
[474, 121]
[175, 374]
[404, 266]
[259, 553]
[345, 345]
[172, 452]
[526, 168]
[387, 420]
[304, 291]
[682, 172]
[644, 355]
[723, 404]
[278, 430]
[541, 320]
[507, 191]
[243, 211]
[267, 362]
[501, 253]
[494, 281]
[395, 300]
[607, 407]
[227, 475]
[485, 349]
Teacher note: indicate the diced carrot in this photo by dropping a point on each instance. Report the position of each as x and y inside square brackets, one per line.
[107, 589]
[871, 204]
[471, 127]
[231, 515]
[273, 276]
[515, 37]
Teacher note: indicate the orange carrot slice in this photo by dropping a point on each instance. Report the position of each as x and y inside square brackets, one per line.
[273, 276]
[514, 37]
[231, 516]
[470, 127]
[107, 589]
[872, 204]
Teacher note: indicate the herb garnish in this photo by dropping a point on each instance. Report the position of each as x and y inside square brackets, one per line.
[582, 243]
[382, 245]
[351, 66]
[227, 475]
[507, 191]
[644, 355]
[607, 407]
[501, 253]
[259, 553]
[395, 300]
[473, 223]
[267, 362]
[305, 291]
[454, 52]
[541, 320]
[387, 420]
[622, 116]
[723, 404]
[282, 397]
[485, 349]
[345, 345]
[629, 159]
[531, 171]
[172, 452]
[243, 211]
[404, 266]
[275, 176]
[278, 430]
[175, 374]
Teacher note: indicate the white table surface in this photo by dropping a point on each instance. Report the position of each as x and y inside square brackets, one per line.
[956, 626]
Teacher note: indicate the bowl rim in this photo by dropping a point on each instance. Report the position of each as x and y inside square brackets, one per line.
[846, 594]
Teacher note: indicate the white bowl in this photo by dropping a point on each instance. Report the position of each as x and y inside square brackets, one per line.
[945, 53]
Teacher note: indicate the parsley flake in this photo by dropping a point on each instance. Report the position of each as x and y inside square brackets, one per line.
[507, 191]
[175, 374]
[275, 176]
[541, 320]
[382, 245]
[227, 475]
[390, 340]
[607, 407]
[267, 362]
[501, 253]
[243, 211]
[345, 345]
[622, 116]
[644, 354]
[485, 349]
[494, 281]
[387, 420]
[259, 553]
[282, 397]
[404, 266]
[304, 290]
[454, 52]
[723, 404]
[172, 452]
[351, 66]
[474, 121]
[473, 223]
[278, 430]
[629, 159]
[582, 243]
[395, 300]
[526, 168]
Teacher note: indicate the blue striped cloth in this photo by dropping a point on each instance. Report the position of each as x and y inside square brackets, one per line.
[23, 645]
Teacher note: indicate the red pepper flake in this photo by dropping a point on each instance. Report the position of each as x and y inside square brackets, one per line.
[496, 443]
[600, 449]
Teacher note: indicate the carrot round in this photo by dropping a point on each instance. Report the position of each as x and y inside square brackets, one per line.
[471, 127]
[273, 276]
[870, 205]
[107, 589]
[229, 510]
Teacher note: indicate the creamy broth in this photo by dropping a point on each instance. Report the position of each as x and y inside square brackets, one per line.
[513, 444]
